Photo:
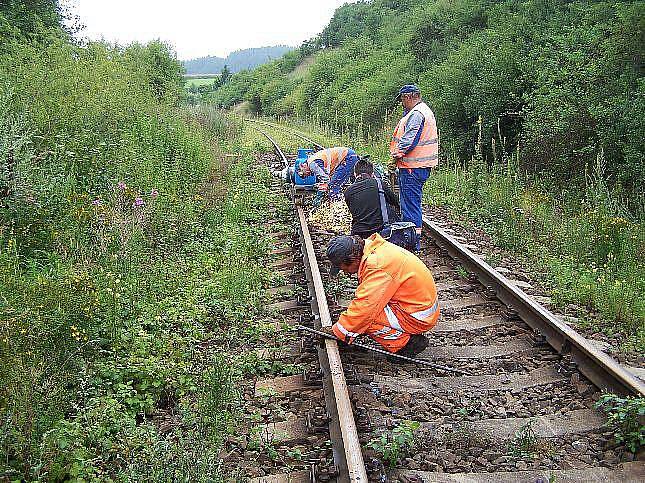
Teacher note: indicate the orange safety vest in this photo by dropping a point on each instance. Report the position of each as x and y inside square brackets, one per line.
[396, 296]
[426, 153]
[331, 157]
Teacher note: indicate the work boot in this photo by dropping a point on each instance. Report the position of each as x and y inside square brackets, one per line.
[417, 344]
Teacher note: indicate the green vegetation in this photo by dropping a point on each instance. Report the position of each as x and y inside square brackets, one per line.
[540, 106]
[130, 250]
[397, 444]
[198, 82]
[524, 444]
[197, 89]
[625, 416]
[126, 270]
[563, 80]
[581, 240]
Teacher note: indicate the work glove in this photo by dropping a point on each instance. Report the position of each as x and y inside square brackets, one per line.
[328, 330]
[319, 198]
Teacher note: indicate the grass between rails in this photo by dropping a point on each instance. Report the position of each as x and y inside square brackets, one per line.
[580, 242]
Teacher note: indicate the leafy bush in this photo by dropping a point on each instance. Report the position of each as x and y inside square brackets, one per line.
[625, 416]
[561, 81]
[117, 251]
[395, 445]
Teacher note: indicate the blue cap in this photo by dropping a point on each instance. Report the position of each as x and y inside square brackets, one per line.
[407, 89]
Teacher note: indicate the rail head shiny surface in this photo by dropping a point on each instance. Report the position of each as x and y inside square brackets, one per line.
[353, 453]
[597, 366]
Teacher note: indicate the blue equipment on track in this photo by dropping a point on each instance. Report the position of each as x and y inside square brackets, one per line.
[309, 181]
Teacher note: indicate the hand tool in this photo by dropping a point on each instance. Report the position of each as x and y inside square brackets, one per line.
[381, 351]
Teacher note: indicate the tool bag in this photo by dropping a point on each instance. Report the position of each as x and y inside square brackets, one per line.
[401, 233]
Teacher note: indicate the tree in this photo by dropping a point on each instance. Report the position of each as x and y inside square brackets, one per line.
[31, 18]
[163, 71]
[224, 75]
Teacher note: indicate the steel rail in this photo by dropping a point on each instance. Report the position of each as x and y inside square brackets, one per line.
[293, 131]
[347, 449]
[353, 454]
[276, 147]
[597, 366]
[335, 433]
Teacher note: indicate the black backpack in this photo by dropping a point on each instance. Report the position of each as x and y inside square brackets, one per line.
[401, 233]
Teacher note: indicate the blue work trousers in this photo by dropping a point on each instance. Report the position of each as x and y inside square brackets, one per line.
[411, 182]
[343, 172]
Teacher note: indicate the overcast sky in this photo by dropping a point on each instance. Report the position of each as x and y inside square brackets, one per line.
[198, 28]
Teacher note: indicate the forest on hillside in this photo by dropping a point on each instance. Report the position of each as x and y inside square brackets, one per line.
[560, 81]
[235, 61]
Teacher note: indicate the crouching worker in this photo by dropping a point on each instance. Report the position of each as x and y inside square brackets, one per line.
[396, 299]
[333, 167]
[363, 200]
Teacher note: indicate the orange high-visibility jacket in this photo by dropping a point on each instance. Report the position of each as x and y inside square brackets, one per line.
[426, 153]
[331, 157]
[389, 275]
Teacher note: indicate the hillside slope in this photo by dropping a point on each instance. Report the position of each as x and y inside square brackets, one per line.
[563, 80]
[235, 61]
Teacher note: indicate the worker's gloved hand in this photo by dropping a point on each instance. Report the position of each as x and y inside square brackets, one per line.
[322, 187]
[329, 333]
[319, 198]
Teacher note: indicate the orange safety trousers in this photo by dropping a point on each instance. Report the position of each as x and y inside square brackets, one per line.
[392, 328]
[395, 298]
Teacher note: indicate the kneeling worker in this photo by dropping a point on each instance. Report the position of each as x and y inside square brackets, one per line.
[332, 167]
[396, 299]
[363, 201]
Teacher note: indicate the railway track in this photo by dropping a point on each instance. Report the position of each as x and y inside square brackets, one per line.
[524, 412]
[293, 132]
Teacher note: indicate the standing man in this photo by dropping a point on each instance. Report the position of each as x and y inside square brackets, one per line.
[415, 148]
[363, 201]
[332, 167]
[396, 299]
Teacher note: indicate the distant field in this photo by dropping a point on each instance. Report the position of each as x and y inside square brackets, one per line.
[199, 81]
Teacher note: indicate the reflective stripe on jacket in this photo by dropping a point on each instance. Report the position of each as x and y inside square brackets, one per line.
[426, 153]
[391, 281]
[331, 158]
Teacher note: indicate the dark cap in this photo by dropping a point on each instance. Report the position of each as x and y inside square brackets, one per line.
[339, 250]
[407, 89]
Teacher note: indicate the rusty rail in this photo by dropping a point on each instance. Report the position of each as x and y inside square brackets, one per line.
[352, 448]
[346, 447]
[601, 369]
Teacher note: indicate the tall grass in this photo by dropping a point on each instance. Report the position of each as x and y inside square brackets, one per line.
[119, 260]
[582, 240]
